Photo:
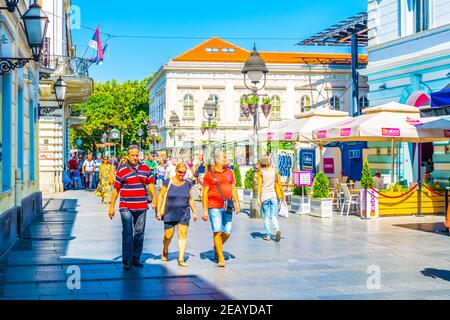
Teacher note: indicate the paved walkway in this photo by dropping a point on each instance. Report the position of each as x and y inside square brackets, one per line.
[315, 259]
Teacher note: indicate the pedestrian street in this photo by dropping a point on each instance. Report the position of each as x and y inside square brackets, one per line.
[316, 259]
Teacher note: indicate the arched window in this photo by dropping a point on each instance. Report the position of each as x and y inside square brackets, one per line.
[363, 103]
[276, 108]
[305, 104]
[188, 106]
[335, 104]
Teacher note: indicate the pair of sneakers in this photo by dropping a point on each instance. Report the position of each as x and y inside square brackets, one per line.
[277, 237]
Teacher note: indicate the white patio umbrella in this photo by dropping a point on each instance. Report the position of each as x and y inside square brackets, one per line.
[394, 122]
[436, 123]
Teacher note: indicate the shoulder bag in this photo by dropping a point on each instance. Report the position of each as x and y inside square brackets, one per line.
[163, 204]
[278, 186]
[147, 190]
[228, 204]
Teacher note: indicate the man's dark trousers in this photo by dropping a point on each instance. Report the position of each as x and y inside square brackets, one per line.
[132, 240]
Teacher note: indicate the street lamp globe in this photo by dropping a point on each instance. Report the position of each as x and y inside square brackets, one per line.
[210, 107]
[60, 91]
[153, 129]
[255, 67]
[140, 132]
[104, 137]
[36, 22]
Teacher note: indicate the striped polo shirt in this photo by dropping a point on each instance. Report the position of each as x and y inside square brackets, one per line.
[132, 186]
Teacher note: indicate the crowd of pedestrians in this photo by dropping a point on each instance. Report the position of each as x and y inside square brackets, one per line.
[137, 181]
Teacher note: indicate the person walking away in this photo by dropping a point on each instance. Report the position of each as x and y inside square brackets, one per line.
[161, 172]
[268, 199]
[130, 183]
[219, 185]
[80, 170]
[97, 163]
[106, 180]
[175, 203]
[88, 172]
[73, 166]
[153, 165]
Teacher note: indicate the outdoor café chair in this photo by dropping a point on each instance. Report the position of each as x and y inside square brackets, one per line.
[349, 198]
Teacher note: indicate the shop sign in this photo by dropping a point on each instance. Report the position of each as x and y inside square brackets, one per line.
[345, 132]
[303, 178]
[390, 132]
[321, 134]
[307, 160]
[447, 133]
[328, 165]
[369, 207]
[288, 135]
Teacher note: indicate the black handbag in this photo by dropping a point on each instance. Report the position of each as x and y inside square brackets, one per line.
[228, 204]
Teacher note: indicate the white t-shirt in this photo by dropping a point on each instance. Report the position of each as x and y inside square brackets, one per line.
[89, 166]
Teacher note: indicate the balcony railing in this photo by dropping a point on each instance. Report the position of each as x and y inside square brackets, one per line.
[66, 65]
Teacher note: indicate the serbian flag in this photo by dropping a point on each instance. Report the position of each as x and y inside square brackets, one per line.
[96, 44]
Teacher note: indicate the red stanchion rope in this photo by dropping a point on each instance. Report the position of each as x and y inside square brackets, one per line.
[432, 191]
[397, 197]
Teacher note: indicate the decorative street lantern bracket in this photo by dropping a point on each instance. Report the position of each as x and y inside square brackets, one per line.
[8, 64]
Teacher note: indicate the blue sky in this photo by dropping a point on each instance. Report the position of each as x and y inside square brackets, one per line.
[135, 59]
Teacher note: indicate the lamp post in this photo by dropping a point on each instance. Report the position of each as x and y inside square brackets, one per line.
[209, 113]
[140, 133]
[153, 133]
[60, 91]
[114, 135]
[255, 72]
[174, 121]
[104, 140]
[35, 23]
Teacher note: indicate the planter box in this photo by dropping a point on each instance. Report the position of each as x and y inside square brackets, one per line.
[248, 194]
[431, 203]
[322, 208]
[299, 207]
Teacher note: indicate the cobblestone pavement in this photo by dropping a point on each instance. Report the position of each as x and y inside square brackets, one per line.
[316, 259]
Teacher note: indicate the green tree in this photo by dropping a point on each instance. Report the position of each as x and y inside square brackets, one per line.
[366, 179]
[321, 186]
[248, 183]
[113, 105]
[237, 175]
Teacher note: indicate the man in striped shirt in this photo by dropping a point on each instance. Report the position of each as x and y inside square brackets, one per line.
[130, 183]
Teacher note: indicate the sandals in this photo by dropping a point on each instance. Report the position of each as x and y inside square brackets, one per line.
[221, 264]
[182, 263]
[164, 257]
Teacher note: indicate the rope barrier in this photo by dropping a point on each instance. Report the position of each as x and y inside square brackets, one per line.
[432, 191]
[397, 197]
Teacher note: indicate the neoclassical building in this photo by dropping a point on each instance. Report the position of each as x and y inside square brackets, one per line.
[296, 83]
[409, 57]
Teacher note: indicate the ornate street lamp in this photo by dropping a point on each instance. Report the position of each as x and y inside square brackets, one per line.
[174, 121]
[60, 91]
[255, 72]
[35, 23]
[209, 112]
[140, 133]
[11, 5]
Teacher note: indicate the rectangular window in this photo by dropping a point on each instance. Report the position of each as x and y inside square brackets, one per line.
[421, 15]
[6, 129]
[20, 144]
[188, 112]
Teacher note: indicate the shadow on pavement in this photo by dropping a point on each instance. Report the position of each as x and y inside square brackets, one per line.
[436, 273]
[37, 267]
[209, 255]
[256, 235]
[436, 227]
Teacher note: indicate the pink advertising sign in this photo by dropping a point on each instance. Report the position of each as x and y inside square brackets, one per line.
[447, 133]
[321, 134]
[270, 136]
[345, 132]
[328, 165]
[288, 135]
[303, 178]
[390, 132]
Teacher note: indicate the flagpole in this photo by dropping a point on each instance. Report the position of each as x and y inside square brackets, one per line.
[87, 48]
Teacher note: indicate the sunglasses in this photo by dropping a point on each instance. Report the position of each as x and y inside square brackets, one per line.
[182, 172]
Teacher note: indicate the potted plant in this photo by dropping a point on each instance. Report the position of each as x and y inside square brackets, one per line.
[298, 205]
[213, 127]
[321, 203]
[266, 106]
[248, 185]
[253, 103]
[367, 197]
[171, 134]
[203, 127]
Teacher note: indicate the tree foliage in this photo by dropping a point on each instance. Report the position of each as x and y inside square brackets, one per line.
[237, 175]
[367, 179]
[113, 105]
[248, 183]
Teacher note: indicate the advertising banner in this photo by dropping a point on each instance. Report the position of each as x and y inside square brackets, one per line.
[307, 160]
[328, 165]
[369, 206]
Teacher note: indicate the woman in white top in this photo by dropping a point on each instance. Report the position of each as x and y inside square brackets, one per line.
[269, 202]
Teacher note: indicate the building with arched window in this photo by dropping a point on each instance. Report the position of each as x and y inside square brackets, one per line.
[409, 57]
[213, 68]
